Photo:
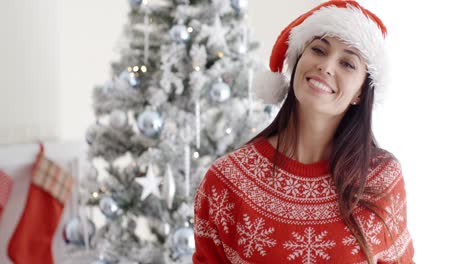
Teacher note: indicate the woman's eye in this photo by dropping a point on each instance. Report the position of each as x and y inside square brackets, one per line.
[348, 65]
[318, 51]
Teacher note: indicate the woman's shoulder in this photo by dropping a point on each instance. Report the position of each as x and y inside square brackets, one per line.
[221, 170]
[381, 157]
[384, 171]
[243, 150]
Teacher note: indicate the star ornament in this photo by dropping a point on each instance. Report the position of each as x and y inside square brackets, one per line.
[150, 184]
[216, 33]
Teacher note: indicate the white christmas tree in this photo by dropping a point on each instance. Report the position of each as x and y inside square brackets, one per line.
[179, 97]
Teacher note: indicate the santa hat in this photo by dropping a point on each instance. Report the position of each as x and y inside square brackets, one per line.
[346, 20]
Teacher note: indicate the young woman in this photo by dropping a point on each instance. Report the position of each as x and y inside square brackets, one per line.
[313, 187]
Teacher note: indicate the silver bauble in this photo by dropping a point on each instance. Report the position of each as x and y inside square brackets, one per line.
[109, 207]
[131, 78]
[179, 33]
[117, 119]
[135, 4]
[73, 231]
[183, 242]
[240, 6]
[220, 92]
[150, 123]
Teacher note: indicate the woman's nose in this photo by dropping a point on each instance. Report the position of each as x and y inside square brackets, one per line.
[326, 68]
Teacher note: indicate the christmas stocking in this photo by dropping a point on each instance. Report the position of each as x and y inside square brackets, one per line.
[49, 189]
[5, 188]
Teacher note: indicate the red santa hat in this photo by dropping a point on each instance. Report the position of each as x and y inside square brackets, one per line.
[346, 20]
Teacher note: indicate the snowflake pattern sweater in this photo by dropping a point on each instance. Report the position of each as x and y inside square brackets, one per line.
[243, 215]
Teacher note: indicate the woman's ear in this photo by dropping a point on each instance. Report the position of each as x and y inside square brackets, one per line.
[356, 100]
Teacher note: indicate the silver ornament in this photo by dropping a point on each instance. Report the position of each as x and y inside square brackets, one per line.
[240, 6]
[183, 242]
[150, 123]
[135, 4]
[118, 119]
[150, 183]
[179, 33]
[169, 187]
[109, 207]
[220, 92]
[73, 231]
[131, 78]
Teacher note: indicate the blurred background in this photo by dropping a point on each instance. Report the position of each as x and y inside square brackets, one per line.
[52, 54]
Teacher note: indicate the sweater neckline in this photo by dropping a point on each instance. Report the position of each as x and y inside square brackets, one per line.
[316, 169]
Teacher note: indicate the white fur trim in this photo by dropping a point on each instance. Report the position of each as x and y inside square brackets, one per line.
[351, 26]
[271, 87]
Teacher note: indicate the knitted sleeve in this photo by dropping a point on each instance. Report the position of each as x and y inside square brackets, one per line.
[397, 239]
[208, 243]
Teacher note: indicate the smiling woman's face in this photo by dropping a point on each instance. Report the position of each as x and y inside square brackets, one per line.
[329, 76]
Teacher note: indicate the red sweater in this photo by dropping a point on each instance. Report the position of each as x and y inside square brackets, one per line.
[243, 215]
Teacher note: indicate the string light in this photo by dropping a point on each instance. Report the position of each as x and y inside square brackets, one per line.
[143, 68]
[129, 69]
[196, 155]
[220, 54]
[190, 29]
[228, 131]
[135, 68]
[196, 68]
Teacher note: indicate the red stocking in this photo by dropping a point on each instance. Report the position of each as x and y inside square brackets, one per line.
[49, 189]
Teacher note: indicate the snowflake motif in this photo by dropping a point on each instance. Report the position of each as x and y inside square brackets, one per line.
[198, 201]
[292, 186]
[245, 155]
[258, 168]
[310, 190]
[274, 181]
[220, 209]
[200, 195]
[371, 230]
[395, 210]
[254, 236]
[204, 229]
[310, 246]
[351, 241]
[327, 188]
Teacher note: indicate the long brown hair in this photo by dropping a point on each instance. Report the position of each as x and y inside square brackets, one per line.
[353, 146]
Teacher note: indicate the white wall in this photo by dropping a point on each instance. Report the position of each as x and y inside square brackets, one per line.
[29, 70]
[53, 52]
[89, 31]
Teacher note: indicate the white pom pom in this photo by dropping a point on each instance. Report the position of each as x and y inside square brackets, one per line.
[271, 87]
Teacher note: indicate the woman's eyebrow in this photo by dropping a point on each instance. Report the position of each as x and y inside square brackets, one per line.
[353, 53]
[346, 50]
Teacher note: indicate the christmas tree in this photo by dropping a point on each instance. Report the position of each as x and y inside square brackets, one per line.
[179, 97]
